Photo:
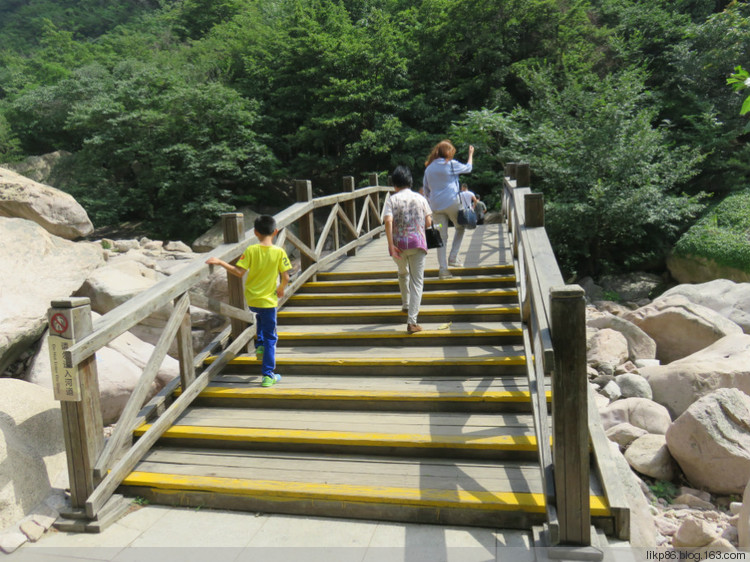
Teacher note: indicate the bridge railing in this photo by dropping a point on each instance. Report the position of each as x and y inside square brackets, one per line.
[96, 468]
[555, 314]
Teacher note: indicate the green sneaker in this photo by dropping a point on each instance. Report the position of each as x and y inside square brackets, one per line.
[270, 380]
[259, 352]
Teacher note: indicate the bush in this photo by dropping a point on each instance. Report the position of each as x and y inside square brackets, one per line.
[722, 235]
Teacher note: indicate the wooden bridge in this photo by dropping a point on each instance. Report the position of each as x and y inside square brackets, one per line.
[483, 418]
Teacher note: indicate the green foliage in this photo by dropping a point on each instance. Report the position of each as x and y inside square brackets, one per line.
[149, 145]
[739, 81]
[722, 234]
[664, 489]
[609, 178]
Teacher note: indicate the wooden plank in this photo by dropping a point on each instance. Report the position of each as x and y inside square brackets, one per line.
[606, 470]
[219, 307]
[326, 230]
[137, 397]
[105, 489]
[185, 353]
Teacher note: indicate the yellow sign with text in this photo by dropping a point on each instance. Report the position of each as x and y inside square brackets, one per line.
[65, 381]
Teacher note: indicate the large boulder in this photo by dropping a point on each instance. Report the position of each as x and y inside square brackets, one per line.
[680, 327]
[54, 210]
[649, 455]
[640, 344]
[32, 449]
[38, 168]
[119, 366]
[711, 442]
[116, 283]
[607, 347]
[725, 364]
[36, 268]
[726, 297]
[639, 412]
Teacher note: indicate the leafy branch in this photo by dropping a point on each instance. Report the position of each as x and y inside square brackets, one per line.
[740, 80]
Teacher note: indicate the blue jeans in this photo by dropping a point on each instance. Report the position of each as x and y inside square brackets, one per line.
[265, 335]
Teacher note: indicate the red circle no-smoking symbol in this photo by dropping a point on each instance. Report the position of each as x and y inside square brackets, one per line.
[58, 323]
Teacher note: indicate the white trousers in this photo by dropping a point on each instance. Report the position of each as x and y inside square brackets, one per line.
[411, 280]
[441, 217]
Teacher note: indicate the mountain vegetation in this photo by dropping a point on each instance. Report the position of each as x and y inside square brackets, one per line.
[174, 111]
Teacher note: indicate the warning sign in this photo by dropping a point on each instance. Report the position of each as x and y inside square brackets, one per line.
[58, 323]
[65, 381]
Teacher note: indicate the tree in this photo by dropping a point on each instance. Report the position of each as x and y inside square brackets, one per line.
[610, 180]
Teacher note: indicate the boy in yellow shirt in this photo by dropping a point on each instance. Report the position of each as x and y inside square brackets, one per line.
[263, 262]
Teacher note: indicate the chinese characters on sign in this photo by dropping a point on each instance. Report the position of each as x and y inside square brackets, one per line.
[65, 383]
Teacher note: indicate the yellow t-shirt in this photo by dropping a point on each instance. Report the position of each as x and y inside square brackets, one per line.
[263, 264]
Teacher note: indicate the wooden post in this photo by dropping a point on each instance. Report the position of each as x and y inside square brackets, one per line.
[185, 352]
[510, 170]
[374, 180]
[307, 222]
[350, 208]
[77, 388]
[534, 209]
[570, 433]
[523, 175]
[233, 226]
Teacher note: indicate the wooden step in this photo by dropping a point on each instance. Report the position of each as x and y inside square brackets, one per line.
[424, 490]
[475, 296]
[384, 314]
[447, 333]
[487, 360]
[471, 395]
[391, 284]
[446, 434]
[504, 269]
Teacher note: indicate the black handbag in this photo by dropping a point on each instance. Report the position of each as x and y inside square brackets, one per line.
[434, 240]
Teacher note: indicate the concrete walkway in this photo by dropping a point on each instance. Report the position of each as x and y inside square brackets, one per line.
[164, 534]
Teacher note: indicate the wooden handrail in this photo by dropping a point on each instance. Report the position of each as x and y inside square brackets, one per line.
[550, 308]
[80, 350]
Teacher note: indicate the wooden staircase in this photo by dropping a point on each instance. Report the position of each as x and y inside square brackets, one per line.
[369, 421]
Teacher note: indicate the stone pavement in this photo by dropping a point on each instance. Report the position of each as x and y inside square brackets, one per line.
[166, 534]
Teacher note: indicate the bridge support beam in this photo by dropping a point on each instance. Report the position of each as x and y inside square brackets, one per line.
[233, 227]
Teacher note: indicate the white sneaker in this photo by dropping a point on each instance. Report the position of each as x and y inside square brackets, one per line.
[444, 274]
[455, 263]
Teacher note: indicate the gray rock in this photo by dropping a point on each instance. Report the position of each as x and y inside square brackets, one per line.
[631, 286]
[649, 455]
[624, 434]
[694, 533]
[680, 328]
[697, 269]
[711, 442]
[32, 530]
[611, 390]
[725, 364]
[694, 502]
[640, 345]
[743, 520]
[730, 299]
[608, 347]
[10, 540]
[634, 386]
[27, 286]
[639, 412]
[55, 211]
[32, 448]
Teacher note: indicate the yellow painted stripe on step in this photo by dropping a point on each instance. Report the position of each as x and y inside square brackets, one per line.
[385, 362]
[505, 396]
[485, 269]
[364, 313]
[251, 434]
[426, 333]
[290, 491]
[393, 281]
[425, 296]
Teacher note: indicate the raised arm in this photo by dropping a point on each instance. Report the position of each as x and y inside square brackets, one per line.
[233, 269]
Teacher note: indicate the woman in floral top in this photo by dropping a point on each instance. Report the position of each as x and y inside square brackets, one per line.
[407, 214]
